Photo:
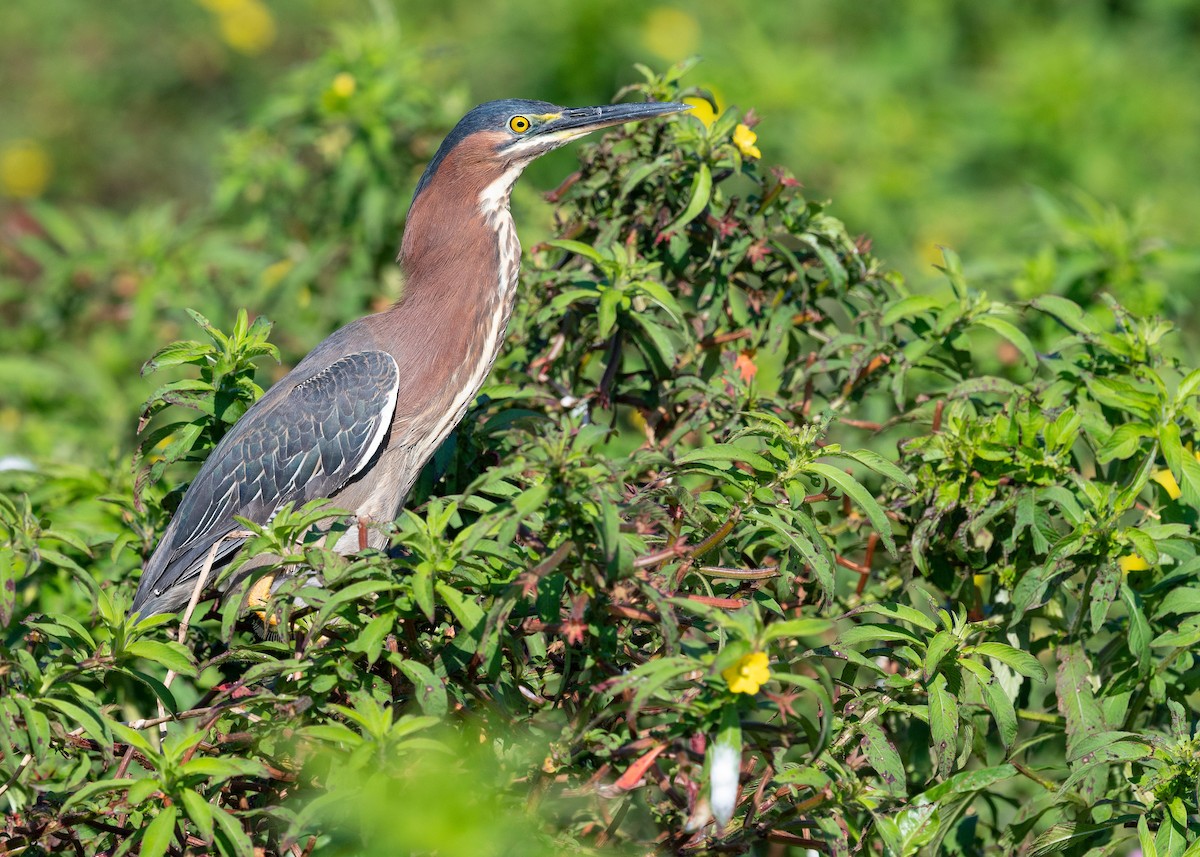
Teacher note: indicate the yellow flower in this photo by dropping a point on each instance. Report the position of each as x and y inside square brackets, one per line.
[748, 674]
[1167, 480]
[246, 25]
[744, 139]
[1132, 562]
[343, 85]
[671, 34]
[702, 110]
[24, 169]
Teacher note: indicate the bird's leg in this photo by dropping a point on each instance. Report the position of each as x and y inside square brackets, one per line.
[363, 522]
[201, 579]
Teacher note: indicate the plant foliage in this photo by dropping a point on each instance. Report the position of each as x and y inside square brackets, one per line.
[744, 547]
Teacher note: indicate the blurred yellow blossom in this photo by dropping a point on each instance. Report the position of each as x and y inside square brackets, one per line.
[1167, 480]
[247, 26]
[745, 139]
[1132, 562]
[671, 34]
[748, 674]
[24, 169]
[702, 110]
[344, 85]
[275, 272]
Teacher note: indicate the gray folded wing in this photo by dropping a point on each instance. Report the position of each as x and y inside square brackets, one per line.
[303, 445]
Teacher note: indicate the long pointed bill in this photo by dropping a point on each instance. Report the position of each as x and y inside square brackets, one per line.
[575, 122]
[582, 120]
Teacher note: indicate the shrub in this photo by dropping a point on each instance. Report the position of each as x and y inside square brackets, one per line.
[743, 548]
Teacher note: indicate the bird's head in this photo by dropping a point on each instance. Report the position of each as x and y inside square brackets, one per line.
[502, 137]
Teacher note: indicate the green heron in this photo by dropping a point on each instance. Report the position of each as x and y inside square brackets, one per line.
[358, 418]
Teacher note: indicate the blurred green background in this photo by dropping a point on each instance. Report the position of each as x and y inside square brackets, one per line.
[927, 121]
[1055, 144]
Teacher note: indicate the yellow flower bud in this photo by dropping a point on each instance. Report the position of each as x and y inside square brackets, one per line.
[1167, 480]
[749, 674]
[24, 169]
[702, 110]
[1132, 562]
[343, 85]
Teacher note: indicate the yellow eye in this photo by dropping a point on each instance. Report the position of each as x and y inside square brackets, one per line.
[519, 124]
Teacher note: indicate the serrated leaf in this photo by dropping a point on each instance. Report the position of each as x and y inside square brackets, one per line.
[861, 497]
[428, 689]
[943, 725]
[1003, 712]
[882, 756]
[721, 455]
[1077, 704]
[940, 646]
[969, 781]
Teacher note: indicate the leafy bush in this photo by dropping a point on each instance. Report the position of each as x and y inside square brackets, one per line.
[744, 548]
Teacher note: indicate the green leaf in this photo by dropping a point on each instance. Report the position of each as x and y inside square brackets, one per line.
[579, 248]
[1077, 704]
[1124, 442]
[1188, 387]
[90, 790]
[199, 811]
[795, 628]
[606, 312]
[722, 455]
[171, 655]
[943, 725]
[882, 756]
[1183, 599]
[1067, 312]
[860, 496]
[1103, 593]
[157, 836]
[940, 646]
[697, 200]
[916, 826]
[1171, 839]
[221, 769]
[880, 465]
[1139, 629]
[969, 781]
[1146, 840]
[236, 841]
[428, 689]
[893, 610]
[1003, 712]
[94, 723]
[869, 632]
[1010, 332]
[1065, 835]
[910, 306]
[1016, 659]
[1122, 396]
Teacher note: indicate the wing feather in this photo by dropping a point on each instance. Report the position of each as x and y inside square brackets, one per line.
[294, 448]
